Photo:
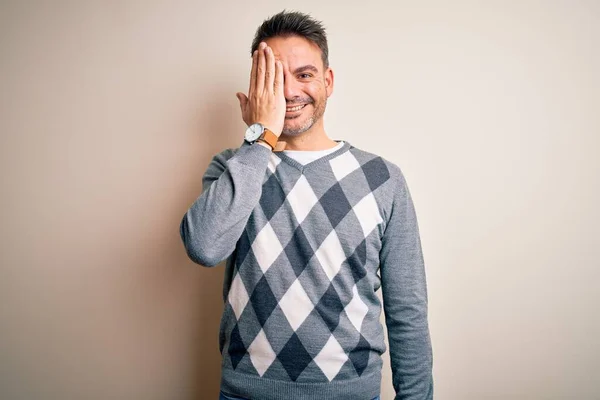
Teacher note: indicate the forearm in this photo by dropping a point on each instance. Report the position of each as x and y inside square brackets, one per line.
[213, 224]
[410, 351]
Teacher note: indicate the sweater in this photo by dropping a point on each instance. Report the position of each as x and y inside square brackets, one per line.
[307, 247]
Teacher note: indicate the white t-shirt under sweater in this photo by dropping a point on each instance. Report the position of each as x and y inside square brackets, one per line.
[306, 156]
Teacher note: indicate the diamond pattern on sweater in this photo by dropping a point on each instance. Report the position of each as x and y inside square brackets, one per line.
[278, 330]
[335, 204]
[272, 197]
[346, 335]
[242, 249]
[331, 255]
[294, 298]
[263, 301]
[236, 349]
[356, 309]
[313, 333]
[261, 353]
[344, 165]
[313, 272]
[331, 358]
[312, 373]
[357, 261]
[376, 173]
[294, 357]
[330, 307]
[299, 251]
[266, 247]
[302, 199]
[360, 355]
[296, 305]
[238, 296]
[368, 214]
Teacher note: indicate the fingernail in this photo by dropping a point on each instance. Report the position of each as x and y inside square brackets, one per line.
[262, 45]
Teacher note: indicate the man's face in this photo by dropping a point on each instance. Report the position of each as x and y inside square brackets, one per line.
[307, 84]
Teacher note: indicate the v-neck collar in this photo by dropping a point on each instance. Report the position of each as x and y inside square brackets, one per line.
[289, 160]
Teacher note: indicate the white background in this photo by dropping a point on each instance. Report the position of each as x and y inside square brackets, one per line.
[111, 110]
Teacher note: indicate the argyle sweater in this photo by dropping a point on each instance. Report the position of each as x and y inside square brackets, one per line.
[307, 248]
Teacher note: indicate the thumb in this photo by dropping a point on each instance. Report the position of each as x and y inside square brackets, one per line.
[242, 99]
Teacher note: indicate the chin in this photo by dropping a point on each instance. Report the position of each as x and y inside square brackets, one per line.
[297, 128]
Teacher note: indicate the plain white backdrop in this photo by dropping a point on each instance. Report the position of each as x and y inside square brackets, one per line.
[111, 111]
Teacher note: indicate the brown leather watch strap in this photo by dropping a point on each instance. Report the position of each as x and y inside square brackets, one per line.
[269, 138]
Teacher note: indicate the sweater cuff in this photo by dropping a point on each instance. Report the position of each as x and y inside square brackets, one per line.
[253, 155]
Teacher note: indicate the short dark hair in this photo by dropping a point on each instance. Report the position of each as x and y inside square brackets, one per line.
[293, 23]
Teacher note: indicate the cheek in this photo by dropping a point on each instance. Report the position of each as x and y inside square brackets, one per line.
[316, 90]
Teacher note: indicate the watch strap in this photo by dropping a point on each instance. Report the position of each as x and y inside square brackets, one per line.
[269, 138]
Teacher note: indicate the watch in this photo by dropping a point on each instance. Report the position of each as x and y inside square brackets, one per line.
[257, 132]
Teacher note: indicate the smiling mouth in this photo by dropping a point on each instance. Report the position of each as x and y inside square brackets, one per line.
[296, 108]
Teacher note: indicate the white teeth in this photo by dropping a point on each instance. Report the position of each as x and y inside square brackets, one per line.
[295, 108]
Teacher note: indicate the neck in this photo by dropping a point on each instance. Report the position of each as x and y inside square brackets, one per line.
[313, 139]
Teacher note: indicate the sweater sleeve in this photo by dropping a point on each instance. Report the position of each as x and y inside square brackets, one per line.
[404, 292]
[231, 189]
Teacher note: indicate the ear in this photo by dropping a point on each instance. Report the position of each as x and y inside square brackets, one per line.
[329, 81]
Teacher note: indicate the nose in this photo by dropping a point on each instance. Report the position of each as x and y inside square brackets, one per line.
[291, 88]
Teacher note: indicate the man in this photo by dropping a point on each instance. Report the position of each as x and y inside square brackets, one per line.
[311, 228]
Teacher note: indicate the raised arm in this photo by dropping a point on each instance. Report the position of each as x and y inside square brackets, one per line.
[232, 184]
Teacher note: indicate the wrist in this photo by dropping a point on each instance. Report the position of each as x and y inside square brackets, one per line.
[269, 127]
[257, 132]
[261, 143]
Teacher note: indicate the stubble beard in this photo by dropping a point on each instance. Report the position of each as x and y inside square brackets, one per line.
[317, 114]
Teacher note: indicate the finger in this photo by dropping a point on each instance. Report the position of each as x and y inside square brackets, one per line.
[260, 72]
[242, 99]
[253, 72]
[278, 83]
[270, 73]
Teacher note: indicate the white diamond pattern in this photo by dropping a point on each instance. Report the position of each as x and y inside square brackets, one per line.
[261, 353]
[266, 247]
[238, 296]
[302, 199]
[367, 212]
[356, 310]
[331, 358]
[343, 165]
[296, 305]
[331, 255]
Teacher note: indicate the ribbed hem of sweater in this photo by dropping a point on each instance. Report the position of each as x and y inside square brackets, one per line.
[256, 388]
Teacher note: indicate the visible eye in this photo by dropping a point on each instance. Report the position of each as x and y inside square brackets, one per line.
[305, 76]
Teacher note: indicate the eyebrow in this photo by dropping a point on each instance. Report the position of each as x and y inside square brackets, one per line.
[306, 68]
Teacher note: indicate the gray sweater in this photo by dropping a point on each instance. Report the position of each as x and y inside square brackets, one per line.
[307, 248]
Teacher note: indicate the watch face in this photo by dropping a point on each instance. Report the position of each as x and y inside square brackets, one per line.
[253, 132]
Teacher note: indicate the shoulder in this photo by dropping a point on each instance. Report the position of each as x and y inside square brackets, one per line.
[385, 179]
[379, 170]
